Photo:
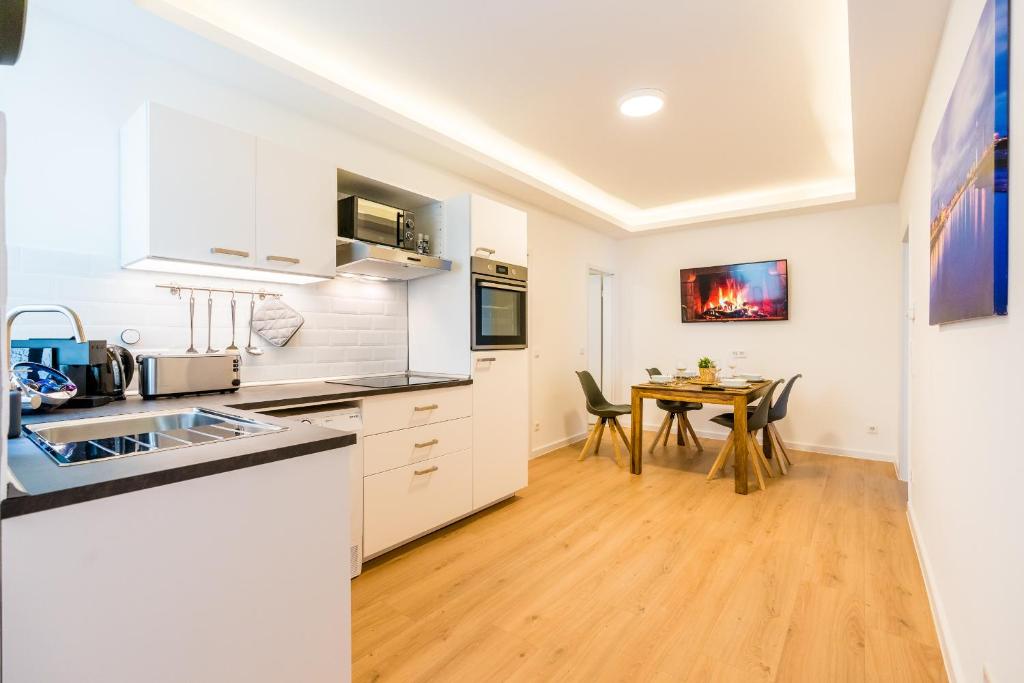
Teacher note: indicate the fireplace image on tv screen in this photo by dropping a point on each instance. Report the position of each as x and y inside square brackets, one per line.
[743, 291]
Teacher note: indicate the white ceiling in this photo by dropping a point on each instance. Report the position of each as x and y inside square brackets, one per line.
[770, 105]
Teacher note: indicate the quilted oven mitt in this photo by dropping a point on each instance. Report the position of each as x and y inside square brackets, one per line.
[276, 321]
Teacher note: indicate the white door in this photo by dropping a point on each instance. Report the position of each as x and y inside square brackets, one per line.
[497, 231]
[202, 185]
[296, 211]
[501, 424]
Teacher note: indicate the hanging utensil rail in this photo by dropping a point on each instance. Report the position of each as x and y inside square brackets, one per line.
[177, 289]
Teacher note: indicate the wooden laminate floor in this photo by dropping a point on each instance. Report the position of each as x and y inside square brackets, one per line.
[592, 574]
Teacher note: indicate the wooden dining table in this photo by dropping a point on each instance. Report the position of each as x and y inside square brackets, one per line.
[685, 390]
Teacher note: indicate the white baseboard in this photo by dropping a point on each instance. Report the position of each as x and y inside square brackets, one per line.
[709, 434]
[938, 613]
[555, 445]
[810, 447]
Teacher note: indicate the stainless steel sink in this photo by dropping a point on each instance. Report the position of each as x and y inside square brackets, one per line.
[76, 442]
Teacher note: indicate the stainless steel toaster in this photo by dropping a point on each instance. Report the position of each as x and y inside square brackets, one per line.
[193, 373]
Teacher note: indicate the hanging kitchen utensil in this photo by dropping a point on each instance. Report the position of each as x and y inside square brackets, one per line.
[234, 306]
[191, 322]
[276, 321]
[209, 323]
[254, 350]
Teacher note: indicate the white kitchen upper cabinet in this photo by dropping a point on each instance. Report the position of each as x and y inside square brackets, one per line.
[497, 228]
[296, 211]
[188, 189]
[501, 424]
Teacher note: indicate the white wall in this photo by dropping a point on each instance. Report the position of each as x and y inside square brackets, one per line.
[966, 460]
[842, 334]
[66, 100]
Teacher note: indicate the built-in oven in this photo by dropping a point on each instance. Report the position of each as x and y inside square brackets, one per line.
[499, 305]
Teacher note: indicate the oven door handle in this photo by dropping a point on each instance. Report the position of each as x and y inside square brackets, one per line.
[501, 285]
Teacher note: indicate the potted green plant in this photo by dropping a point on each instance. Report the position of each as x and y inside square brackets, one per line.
[708, 372]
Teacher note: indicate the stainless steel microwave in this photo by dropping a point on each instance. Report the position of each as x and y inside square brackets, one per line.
[366, 221]
[499, 305]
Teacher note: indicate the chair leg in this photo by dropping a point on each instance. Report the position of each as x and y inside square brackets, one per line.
[693, 434]
[668, 430]
[615, 444]
[622, 433]
[780, 457]
[780, 444]
[722, 455]
[754, 460]
[657, 437]
[600, 435]
[590, 439]
[762, 457]
[680, 434]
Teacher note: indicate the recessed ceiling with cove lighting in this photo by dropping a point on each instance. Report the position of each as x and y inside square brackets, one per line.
[774, 106]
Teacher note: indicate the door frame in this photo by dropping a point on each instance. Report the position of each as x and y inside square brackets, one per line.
[608, 346]
[903, 467]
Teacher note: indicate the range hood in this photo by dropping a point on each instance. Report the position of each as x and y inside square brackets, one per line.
[357, 258]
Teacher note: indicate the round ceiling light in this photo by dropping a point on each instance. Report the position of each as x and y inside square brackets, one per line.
[642, 103]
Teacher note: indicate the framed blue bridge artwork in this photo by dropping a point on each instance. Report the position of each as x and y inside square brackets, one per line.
[969, 201]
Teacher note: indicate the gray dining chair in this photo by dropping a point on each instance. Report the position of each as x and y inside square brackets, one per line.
[675, 410]
[606, 413]
[756, 421]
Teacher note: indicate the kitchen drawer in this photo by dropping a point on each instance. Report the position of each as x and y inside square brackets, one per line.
[403, 503]
[415, 408]
[389, 450]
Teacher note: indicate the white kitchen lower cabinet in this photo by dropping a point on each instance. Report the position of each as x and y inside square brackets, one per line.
[501, 424]
[404, 503]
[407, 446]
[415, 408]
[239, 576]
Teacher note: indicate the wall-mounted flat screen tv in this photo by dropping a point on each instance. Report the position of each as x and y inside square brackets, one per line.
[738, 292]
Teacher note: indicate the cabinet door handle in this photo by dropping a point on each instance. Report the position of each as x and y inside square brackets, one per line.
[486, 250]
[420, 409]
[229, 252]
[426, 471]
[307, 422]
[426, 444]
[285, 259]
[486, 360]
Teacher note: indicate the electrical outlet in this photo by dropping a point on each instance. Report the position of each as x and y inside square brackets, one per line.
[739, 354]
[872, 429]
[536, 426]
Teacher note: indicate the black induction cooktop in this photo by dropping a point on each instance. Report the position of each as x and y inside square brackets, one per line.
[390, 381]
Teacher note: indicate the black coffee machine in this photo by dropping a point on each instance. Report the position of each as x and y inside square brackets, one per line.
[101, 372]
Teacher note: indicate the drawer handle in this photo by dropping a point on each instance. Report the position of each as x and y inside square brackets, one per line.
[426, 471]
[426, 444]
[229, 252]
[285, 259]
[486, 250]
[420, 409]
[486, 360]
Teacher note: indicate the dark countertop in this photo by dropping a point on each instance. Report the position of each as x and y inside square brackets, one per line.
[47, 485]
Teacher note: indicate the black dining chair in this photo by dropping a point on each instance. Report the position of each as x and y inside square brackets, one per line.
[756, 421]
[607, 413]
[778, 412]
[676, 410]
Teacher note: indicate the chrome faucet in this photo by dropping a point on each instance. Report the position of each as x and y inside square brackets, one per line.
[76, 323]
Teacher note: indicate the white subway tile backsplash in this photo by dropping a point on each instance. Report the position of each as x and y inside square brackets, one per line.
[351, 327]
